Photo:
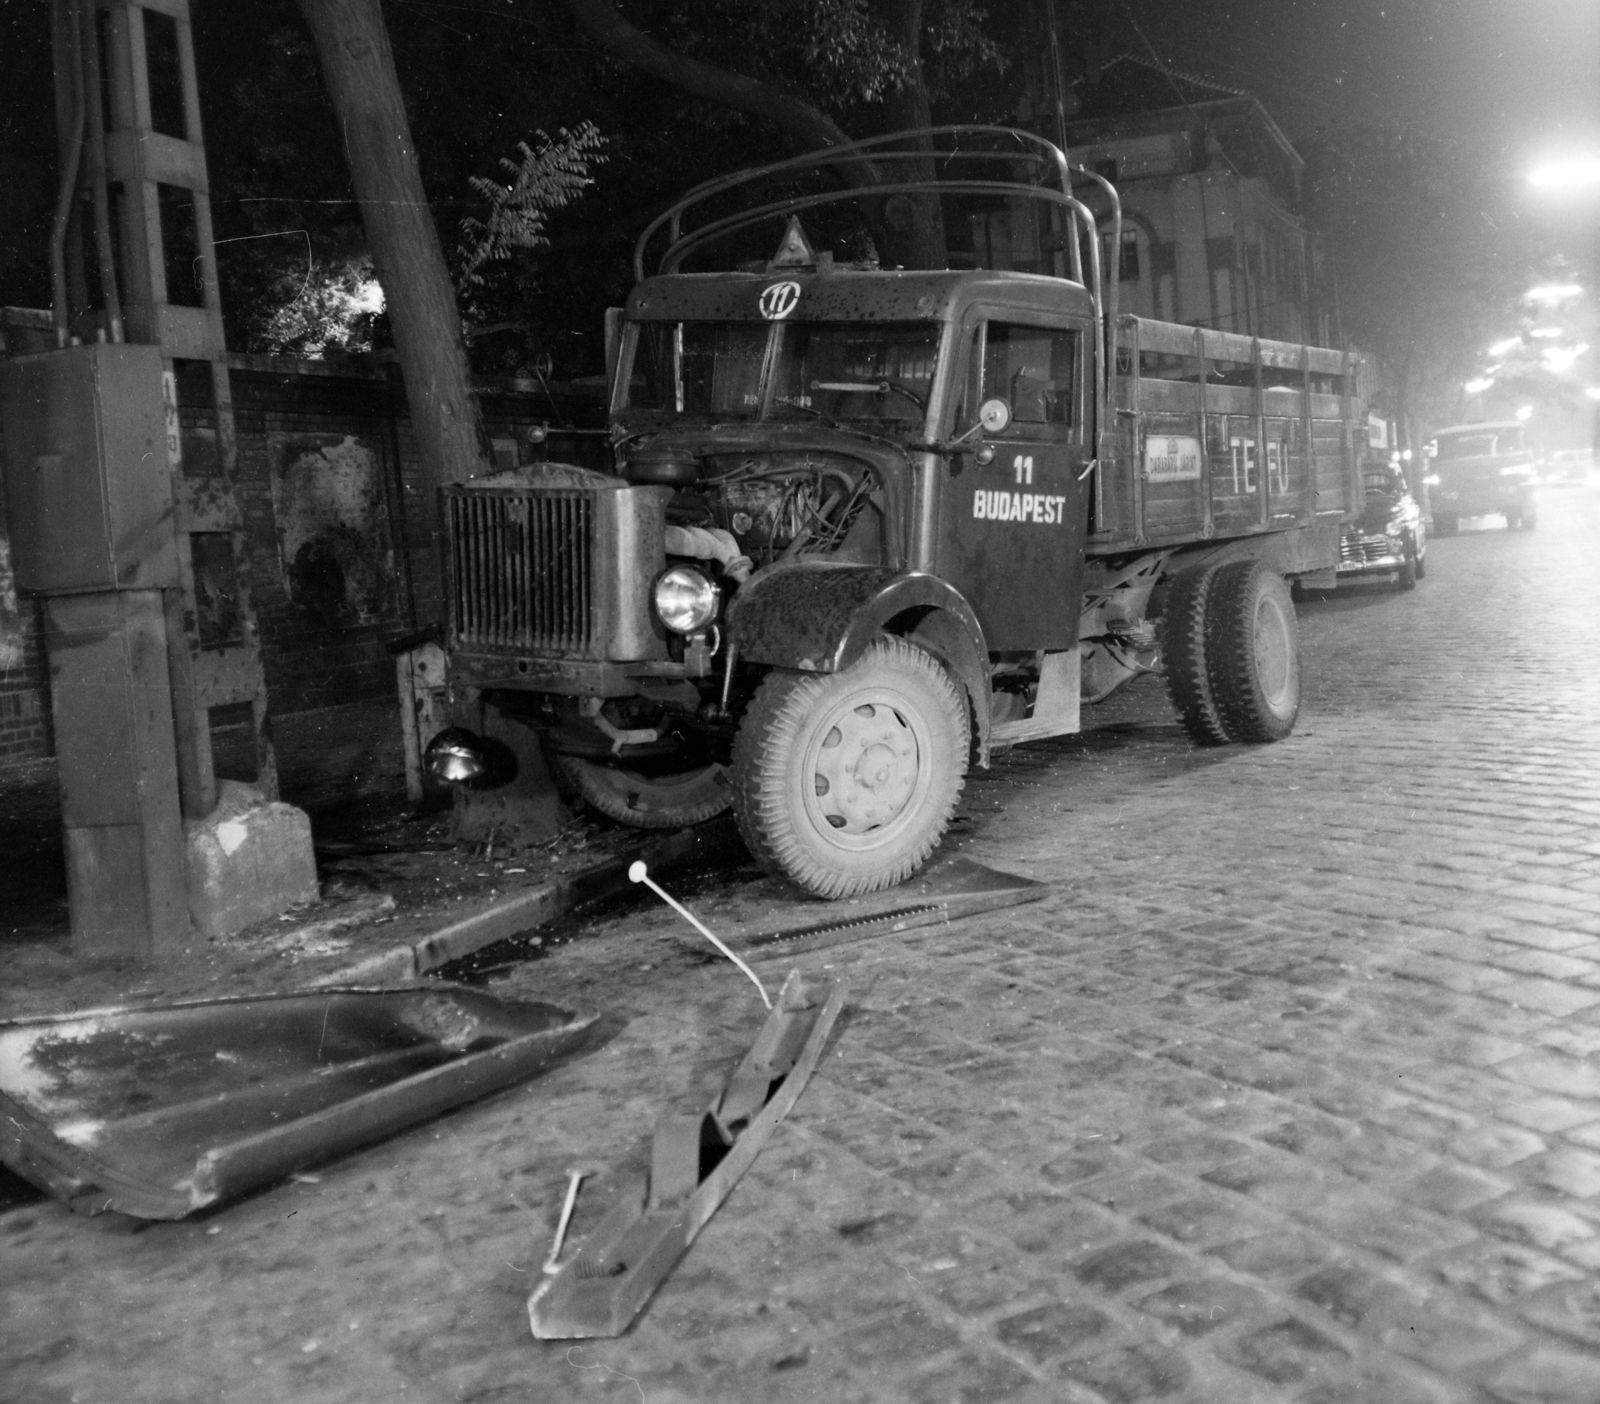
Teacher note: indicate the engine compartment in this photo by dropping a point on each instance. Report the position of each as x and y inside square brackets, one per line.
[778, 505]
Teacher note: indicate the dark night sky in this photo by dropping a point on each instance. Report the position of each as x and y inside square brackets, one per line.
[1522, 75]
[1517, 80]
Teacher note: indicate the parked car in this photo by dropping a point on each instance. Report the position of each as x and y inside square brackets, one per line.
[1477, 469]
[1569, 466]
[1389, 537]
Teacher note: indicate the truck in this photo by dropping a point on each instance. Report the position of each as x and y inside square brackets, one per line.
[1475, 470]
[867, 524]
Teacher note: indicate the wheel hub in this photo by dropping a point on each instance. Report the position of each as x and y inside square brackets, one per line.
[866, 768]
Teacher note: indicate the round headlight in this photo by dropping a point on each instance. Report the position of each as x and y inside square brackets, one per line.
[686, 601]
[455, 756]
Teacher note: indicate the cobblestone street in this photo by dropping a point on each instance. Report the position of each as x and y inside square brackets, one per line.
[1288, 1091]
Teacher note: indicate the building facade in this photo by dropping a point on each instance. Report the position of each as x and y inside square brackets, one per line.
[1210, 191]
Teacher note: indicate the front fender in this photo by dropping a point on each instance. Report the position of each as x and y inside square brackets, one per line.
[819, 617]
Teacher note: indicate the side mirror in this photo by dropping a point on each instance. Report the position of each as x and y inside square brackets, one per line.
[994, 415]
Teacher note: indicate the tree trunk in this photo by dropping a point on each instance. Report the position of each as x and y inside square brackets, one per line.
[358, 65]
[916, 222]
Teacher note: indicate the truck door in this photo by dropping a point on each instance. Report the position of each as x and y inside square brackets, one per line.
[1011, 532]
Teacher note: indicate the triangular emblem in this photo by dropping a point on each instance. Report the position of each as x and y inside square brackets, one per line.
[795, 251]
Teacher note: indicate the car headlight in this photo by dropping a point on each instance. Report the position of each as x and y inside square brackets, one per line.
[686, 601]
[456, 756]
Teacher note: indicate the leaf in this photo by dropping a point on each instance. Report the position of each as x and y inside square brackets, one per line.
[546, 177]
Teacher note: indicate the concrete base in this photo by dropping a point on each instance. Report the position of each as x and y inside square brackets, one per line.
[247, 860]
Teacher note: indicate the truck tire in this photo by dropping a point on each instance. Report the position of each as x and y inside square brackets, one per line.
[647, 801]
[1183, 648]
[1253, 652]
[845, 782]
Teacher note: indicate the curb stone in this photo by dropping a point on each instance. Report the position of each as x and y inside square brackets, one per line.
[532, 907]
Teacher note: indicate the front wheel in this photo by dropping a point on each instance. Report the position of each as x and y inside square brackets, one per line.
[845, 782]
[1253, 652]
[1406, 576]
[641, 801]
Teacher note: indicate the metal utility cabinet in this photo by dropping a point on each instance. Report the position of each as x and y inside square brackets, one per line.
[89, 487]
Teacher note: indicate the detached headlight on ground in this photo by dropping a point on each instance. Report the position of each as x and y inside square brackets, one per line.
[455, 756]
[685, 600]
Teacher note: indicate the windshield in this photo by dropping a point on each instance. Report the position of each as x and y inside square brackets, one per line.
[1483, 443]
[843, 371]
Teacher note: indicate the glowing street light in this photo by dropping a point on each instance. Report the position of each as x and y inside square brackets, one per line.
[1477, 387]
[1500, 348]
[1524, 413]
[1573, 173]
[1559, 359]
[1549, 294]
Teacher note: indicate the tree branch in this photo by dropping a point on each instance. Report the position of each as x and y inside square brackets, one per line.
[810, 127]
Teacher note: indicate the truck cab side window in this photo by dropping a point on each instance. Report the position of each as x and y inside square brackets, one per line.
[1034, 369]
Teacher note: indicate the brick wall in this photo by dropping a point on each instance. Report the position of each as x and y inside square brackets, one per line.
[340, 534]
[24, 703]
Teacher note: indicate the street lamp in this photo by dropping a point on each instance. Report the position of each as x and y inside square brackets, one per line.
[1558, 359]
[1572, 173]
[1549, 294]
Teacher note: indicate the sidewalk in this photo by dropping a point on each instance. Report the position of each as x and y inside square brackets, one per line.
[390, 878]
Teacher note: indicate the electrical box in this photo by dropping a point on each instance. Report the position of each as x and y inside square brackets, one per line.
[89, 466]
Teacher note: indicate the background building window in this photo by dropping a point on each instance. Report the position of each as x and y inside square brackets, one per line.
[1128, 256]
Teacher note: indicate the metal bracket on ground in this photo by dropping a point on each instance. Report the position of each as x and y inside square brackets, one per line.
[695, 1163]
[946, 890]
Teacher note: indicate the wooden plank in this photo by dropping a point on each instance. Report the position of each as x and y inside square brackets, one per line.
[1171, 396]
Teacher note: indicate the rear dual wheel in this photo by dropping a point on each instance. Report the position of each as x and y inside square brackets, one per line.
[1232, 653]
[1183, 647]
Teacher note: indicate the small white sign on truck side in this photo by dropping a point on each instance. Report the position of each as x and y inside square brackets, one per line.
[1171, 458]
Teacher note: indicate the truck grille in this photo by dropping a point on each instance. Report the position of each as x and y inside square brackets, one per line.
[521, 569]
